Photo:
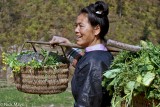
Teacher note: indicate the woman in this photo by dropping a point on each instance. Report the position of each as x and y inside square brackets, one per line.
[91, 26]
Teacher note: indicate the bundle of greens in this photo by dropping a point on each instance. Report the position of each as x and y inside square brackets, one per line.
[133, 73]
[32, 59]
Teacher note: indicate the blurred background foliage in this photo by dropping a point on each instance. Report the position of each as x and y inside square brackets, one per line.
[130, 20]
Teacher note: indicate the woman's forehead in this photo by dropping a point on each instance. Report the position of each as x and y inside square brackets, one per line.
[82, 18]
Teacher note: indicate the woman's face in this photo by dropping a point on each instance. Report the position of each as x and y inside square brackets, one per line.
[84, 31]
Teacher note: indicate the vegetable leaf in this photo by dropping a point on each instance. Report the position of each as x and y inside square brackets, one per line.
[112, 73]
[148, 78]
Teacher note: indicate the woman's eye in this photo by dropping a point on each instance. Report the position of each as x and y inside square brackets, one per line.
[75, 25]
[81, 25]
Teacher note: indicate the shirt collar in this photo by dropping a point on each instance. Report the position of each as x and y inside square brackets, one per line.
[96, 47]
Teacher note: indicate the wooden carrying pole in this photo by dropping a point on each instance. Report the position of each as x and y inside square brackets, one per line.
[112, 45]
[123, 46]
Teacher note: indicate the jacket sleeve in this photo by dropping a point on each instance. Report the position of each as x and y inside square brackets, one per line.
[91, 93]
[74, 55]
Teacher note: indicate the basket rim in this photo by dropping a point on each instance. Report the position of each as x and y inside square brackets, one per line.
[61, 65]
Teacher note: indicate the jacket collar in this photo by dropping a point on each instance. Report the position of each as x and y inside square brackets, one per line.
[96, 47]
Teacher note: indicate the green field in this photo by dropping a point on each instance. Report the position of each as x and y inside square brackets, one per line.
[11, 97]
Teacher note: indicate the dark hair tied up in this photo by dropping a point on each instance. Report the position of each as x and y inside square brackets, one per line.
[98, 15]
[101, 9]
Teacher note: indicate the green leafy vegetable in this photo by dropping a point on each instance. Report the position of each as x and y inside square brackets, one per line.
[148, 78]
[112, 73]
[132, 73]
[31, 59]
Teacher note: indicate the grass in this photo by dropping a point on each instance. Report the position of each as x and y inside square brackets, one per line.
[11, 97]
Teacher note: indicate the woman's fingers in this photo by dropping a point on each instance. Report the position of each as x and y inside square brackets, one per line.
[57, 40]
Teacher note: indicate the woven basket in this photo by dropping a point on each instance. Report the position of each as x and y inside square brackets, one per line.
[42, 81]
[141, 101]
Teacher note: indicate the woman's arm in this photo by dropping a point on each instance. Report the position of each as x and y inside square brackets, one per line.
[73, 54]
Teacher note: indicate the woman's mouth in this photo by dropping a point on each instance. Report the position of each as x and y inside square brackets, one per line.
[78, 37]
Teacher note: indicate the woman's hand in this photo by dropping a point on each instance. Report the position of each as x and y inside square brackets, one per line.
[58, 40]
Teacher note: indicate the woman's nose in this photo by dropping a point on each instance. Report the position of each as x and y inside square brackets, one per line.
[76, 29]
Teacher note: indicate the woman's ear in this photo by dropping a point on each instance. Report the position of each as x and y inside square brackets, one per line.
[97, 30]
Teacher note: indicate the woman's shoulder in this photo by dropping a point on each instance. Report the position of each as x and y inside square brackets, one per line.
[95, 59]
[98, 56]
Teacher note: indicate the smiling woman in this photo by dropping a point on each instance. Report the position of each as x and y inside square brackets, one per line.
[91, 26]
[85, 32]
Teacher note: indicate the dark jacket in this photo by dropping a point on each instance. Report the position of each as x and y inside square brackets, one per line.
[86, 82]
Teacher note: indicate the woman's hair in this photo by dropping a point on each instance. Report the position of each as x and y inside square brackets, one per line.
[98, 15]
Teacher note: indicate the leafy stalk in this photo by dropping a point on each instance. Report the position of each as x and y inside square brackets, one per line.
[133, 73]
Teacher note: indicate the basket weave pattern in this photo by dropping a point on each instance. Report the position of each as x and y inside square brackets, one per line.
[43, 80]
